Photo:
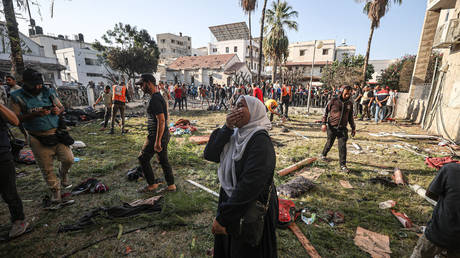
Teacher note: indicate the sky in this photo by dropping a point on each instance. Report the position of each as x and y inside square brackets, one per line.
[398, 35]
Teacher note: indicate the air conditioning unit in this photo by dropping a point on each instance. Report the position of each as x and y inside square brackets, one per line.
[447, 34]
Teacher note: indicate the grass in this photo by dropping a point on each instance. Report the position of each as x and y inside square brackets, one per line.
[109, 157]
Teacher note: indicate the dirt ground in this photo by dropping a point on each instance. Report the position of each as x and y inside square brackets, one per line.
[182, 228]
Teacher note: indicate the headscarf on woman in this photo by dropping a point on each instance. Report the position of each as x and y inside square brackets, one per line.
[233, 151]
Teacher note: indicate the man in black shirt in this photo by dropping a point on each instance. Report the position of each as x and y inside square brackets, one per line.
[8, 174]
[442, 234]
[158, 135]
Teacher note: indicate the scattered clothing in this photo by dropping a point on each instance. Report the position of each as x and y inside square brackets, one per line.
[134, 174]
[296, 187]
[26, 157]
[438, 163]
[90, 185]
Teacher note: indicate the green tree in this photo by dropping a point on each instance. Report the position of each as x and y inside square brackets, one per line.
[375, 10]
[346, 72]
[276, 43]
[248, 7]
[261, 39]
[398, 75]
[129, 50]
[17, 61]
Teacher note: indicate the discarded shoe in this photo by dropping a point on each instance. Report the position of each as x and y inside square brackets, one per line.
[344, 169]
[18, 228]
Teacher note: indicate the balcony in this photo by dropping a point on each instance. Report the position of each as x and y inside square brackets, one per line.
[447, 34]
[437, 5]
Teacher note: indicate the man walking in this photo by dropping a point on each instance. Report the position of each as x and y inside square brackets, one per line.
[8, 174]
[158, 136]
[38, 108]
[119, 104]
[286, 98]
[338, 113]
[106, 97]
[257, 92]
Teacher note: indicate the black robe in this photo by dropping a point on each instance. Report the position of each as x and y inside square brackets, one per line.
[255, 175]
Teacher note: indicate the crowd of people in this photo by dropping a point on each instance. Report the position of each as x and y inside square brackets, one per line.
[247, 213]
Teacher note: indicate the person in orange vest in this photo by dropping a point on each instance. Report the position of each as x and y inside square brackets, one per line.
[286, 98]
[119, 103]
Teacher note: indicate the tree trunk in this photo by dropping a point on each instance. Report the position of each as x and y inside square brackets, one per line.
[250, 45]
[262, 23]
[17, 62]
[366, 60]
[275, 66]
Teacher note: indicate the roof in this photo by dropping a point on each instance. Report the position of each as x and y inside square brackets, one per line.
[197, 62]
[230, 31]
[235, 67]
[307, 63]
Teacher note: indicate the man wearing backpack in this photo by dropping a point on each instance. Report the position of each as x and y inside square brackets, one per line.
[38, 108]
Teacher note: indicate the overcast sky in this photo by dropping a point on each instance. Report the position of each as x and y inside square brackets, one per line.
[398, 34]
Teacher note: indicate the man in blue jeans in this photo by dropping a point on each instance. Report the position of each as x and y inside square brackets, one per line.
[381, 103]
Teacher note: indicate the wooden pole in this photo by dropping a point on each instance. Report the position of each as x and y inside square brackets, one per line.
[304, 241]
[296, 166]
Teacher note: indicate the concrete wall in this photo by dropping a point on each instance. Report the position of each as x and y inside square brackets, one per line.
[49, 41]
[242, 52]
[174, 46]
[295, 48]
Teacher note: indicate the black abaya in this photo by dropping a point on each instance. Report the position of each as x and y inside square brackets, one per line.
[255, 175]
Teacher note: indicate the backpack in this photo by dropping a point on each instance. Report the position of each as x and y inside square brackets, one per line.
[287, 213]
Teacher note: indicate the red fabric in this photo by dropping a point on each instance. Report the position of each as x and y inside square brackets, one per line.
[285, 210]
[178, 93]
[437, 163]
[257, 92]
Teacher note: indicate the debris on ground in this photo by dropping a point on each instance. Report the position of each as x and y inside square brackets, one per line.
[398, 177]
[78, 145]
[296, 187]
[403, 218]
[307, 217]
[304, 241]
[345, 184]
[134, 174]
[437, 163]
[26, 157]
[387, 204]
[383, 181]
[377, 245]
[357, 146]
[203, 187]
[311, 174]
[181, 127]
[197, 139]
[90, 185]
[286, 213]
[296, 166]
[422, 192]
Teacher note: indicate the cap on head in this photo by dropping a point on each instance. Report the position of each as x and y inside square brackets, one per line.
[146, 77]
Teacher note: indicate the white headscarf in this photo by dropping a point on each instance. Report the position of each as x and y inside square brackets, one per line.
[233, 151]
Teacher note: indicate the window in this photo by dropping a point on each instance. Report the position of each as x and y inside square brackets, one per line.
[325, 52]
[94, 75]
[89, 61]
[302, 52]
[227, 50]
[235, 49]
[321, 69]
[54, 47]
[188, 47]
[174, 51]
[66, 60]
[214, 50]
[163, 41]
[173, 41]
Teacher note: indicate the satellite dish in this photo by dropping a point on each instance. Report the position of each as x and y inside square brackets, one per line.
[319, 44]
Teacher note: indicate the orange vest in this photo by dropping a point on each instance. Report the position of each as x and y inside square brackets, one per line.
[286, 91]
[119, 93]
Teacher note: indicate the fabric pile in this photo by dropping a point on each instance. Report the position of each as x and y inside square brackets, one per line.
[134, 174]
[126, 210]
[437, 163]
[26, 157]
[90, 185]
[296, 187]
[181, 127]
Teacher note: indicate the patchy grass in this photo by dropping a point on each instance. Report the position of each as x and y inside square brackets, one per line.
[108, 158]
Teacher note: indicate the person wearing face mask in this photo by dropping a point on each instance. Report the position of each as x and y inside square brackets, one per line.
[337, 115]
[38, 108]
[247, 162]
[158, 136]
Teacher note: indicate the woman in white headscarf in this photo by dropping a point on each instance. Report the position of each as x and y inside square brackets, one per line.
[247, 163]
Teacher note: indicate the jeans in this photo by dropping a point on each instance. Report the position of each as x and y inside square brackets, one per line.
[8, 190]
[342, 135]
[115, 108]
[379, 113]
[147, 154]
[285, 106]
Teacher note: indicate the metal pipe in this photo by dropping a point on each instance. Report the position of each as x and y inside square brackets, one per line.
[430, 97]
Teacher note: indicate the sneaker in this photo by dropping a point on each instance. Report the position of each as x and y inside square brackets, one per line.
[324, 158]
[18, 228]
[345, 169]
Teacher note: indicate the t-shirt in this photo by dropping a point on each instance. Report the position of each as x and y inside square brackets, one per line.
[381, 95]
[366, 98]
[257, 92]
[444, 227]
[107, 98]
[178, 93]
[156, 106]
[271, 104]
[391, 98]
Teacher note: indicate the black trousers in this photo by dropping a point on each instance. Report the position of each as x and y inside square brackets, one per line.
[178, 101]
[9, 191]
[147, 154]
[285, 106]
[107, 115]
[342, 136]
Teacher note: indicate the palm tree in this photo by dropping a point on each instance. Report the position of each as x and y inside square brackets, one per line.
[17, 62]
[262, 22]
[276, 43]
[375, 10]
[248, 7]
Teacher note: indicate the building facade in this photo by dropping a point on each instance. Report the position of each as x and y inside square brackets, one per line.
[436, 103]
[208, 70]
[174, 46]
[379, 67]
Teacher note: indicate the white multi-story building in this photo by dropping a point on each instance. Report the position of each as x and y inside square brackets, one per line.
[174, 46]
[234, 39]
[301, 57]
[78, 57]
